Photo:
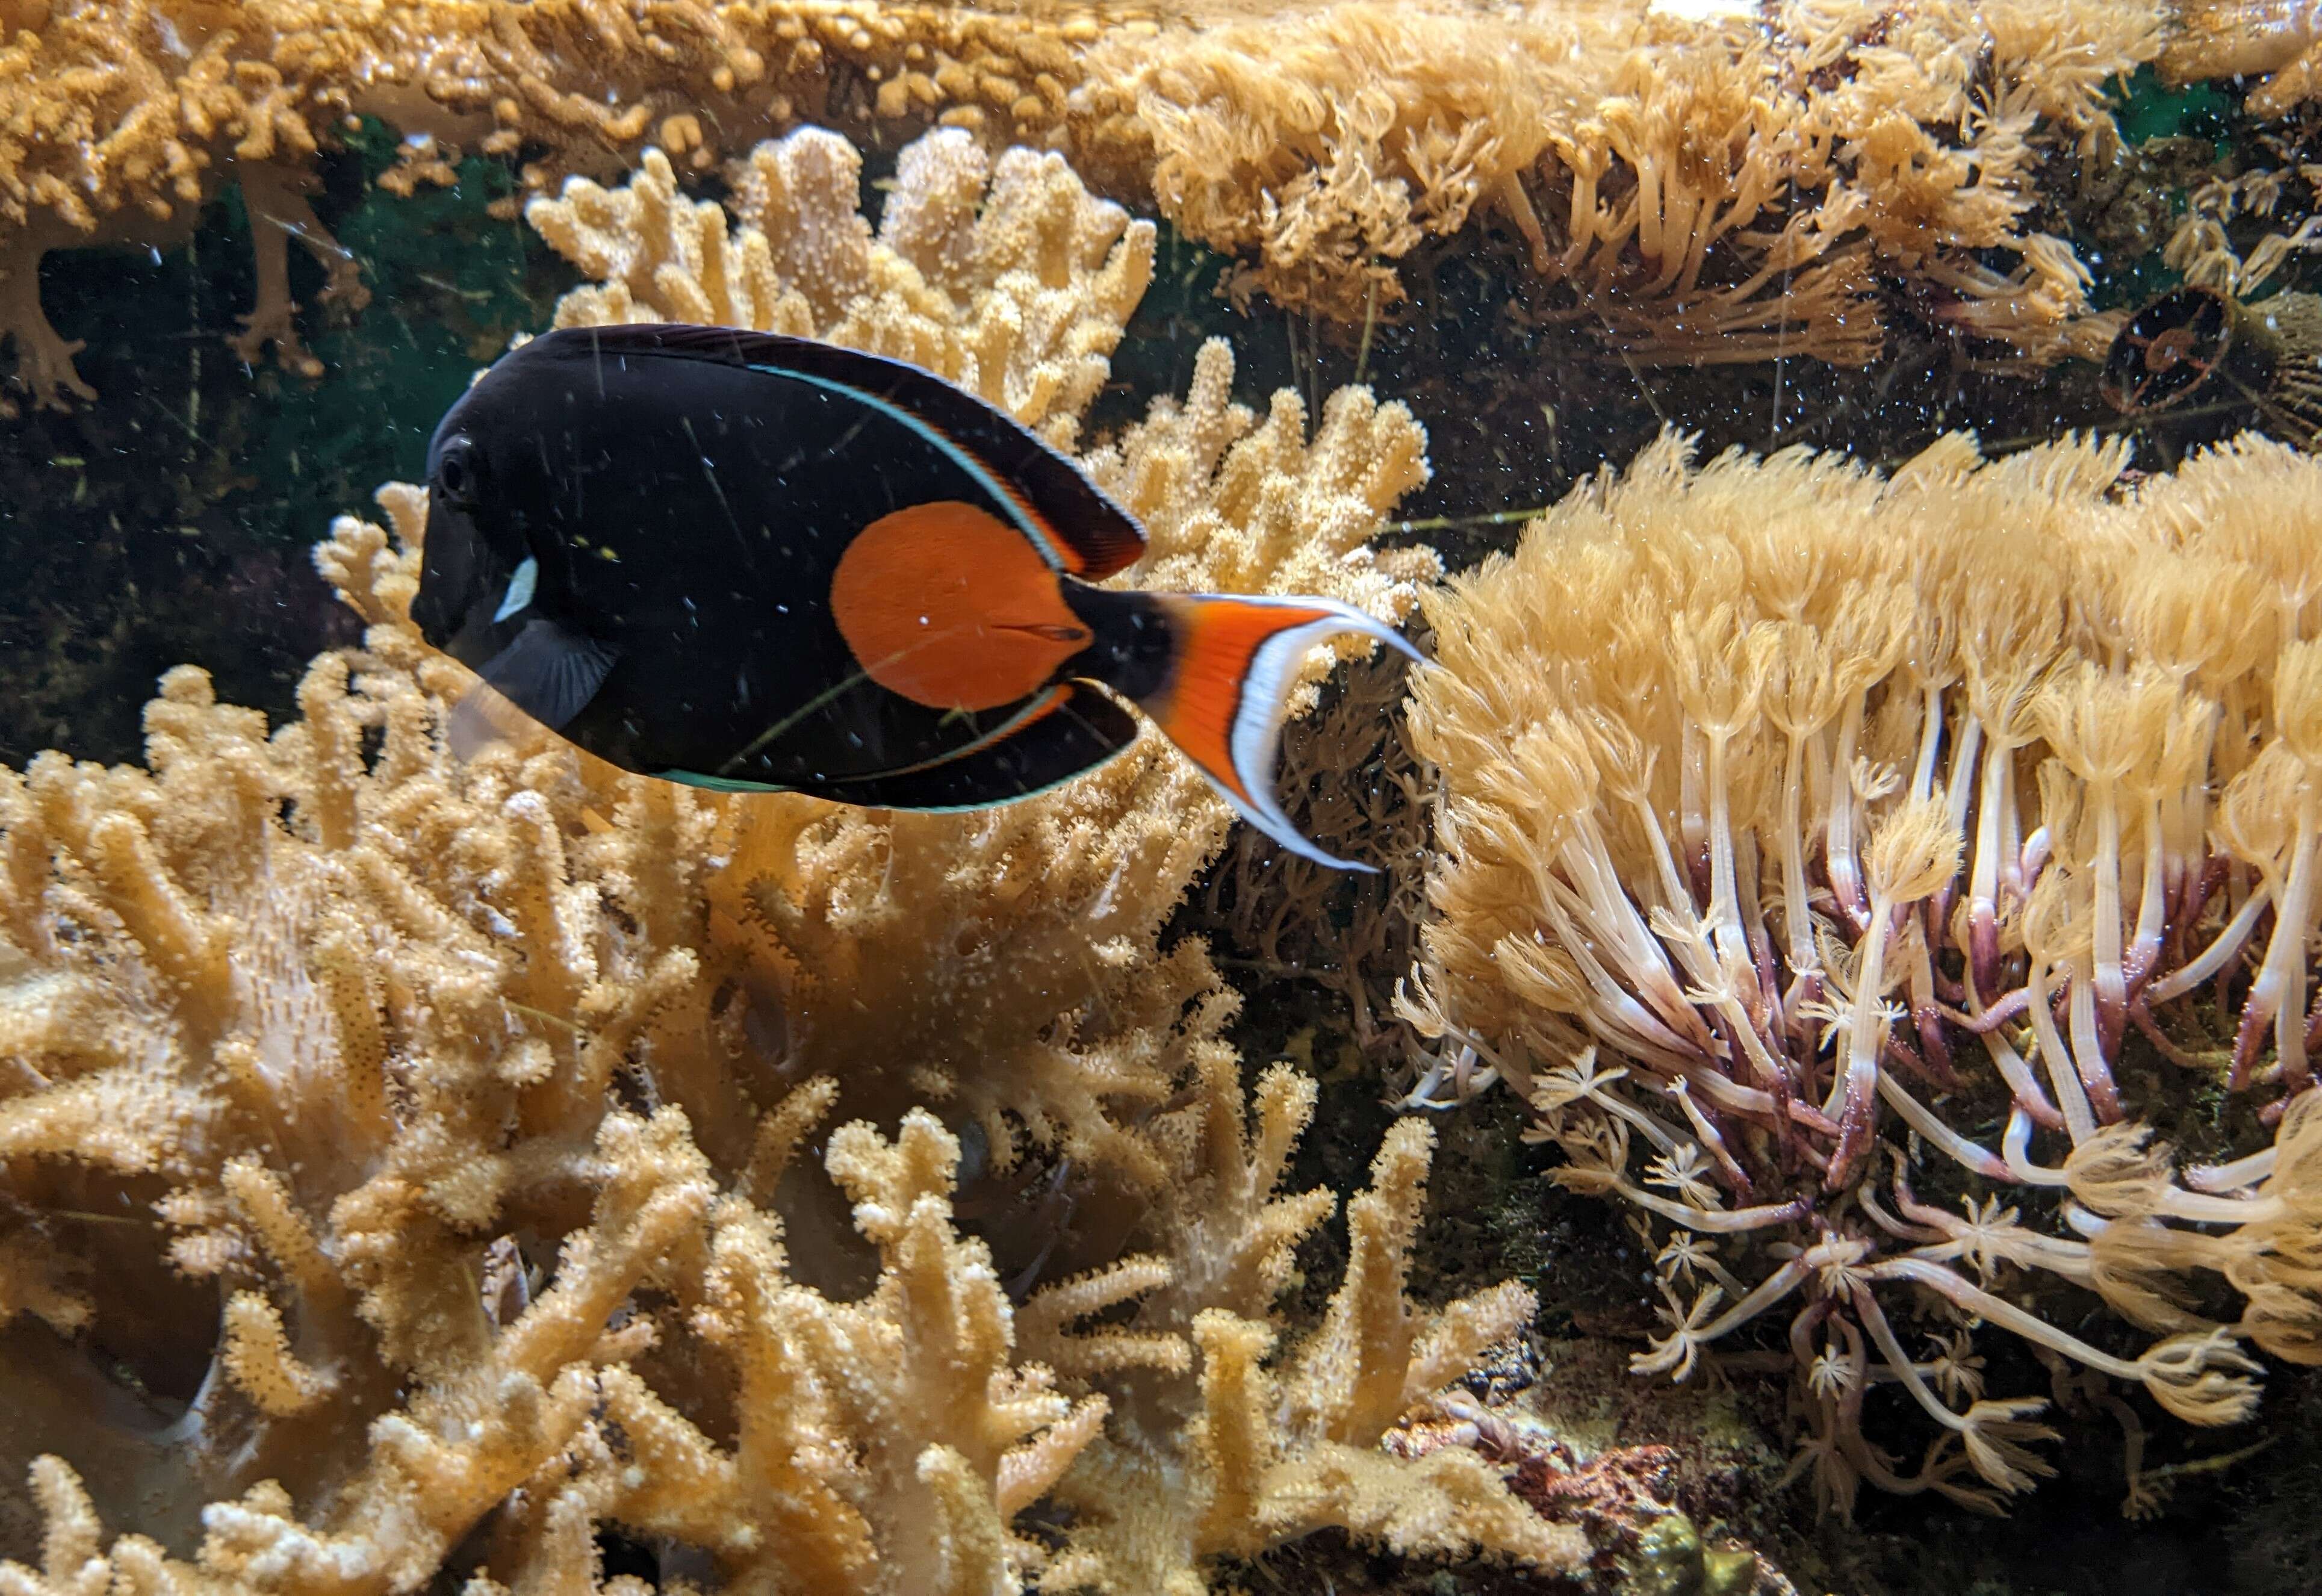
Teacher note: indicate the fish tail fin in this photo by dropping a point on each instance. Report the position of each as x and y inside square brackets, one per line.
[1219, 689]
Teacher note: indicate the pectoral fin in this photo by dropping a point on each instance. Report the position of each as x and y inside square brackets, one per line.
[548, 672]
[520, 589]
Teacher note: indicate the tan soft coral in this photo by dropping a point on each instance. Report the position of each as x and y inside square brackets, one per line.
[1708, 189]
[1329, 142]
[458, 1105]
[1245, 1452]
[1009, 279]
[1691, 152]
[1860, 812]
[885, 1443]
[2280, 40]
[337, 1069]
[952, 1438]
[117, 121]
[810, 1368]
[1717, 189]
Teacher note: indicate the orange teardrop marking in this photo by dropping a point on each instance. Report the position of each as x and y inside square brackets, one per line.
[949, 606]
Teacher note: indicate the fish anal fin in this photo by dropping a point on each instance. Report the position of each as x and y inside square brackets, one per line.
[549, 672]
[1071, 729]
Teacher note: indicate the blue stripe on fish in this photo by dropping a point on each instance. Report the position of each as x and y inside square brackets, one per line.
[976, 469]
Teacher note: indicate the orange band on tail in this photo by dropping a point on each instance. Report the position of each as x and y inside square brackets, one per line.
[1216, 641]
[1234, 662]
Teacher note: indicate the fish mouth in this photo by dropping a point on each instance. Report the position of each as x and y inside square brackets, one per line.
[428, 612]
[461, 583]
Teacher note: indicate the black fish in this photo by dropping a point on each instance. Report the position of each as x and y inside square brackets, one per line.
[759, 563]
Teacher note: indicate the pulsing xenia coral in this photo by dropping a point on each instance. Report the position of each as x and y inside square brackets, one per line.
[1798, 825]
[400, 1159]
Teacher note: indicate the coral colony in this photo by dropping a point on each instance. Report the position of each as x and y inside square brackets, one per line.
[471, 1086]
[1895, 892]
[1715, 187]
[1962, 788]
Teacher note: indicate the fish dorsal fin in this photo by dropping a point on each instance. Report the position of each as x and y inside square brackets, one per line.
[1076, 528]
[548, 672]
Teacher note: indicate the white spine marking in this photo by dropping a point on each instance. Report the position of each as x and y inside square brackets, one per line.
[519, 590]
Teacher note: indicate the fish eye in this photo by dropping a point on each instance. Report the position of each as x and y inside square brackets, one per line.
[456, 476]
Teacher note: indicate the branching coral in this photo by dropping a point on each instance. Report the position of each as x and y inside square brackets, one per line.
[1798, 823]
[1020, 296]
[333, 1067]
[1244, 1456]
[397, 1156]
[886, 1444]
